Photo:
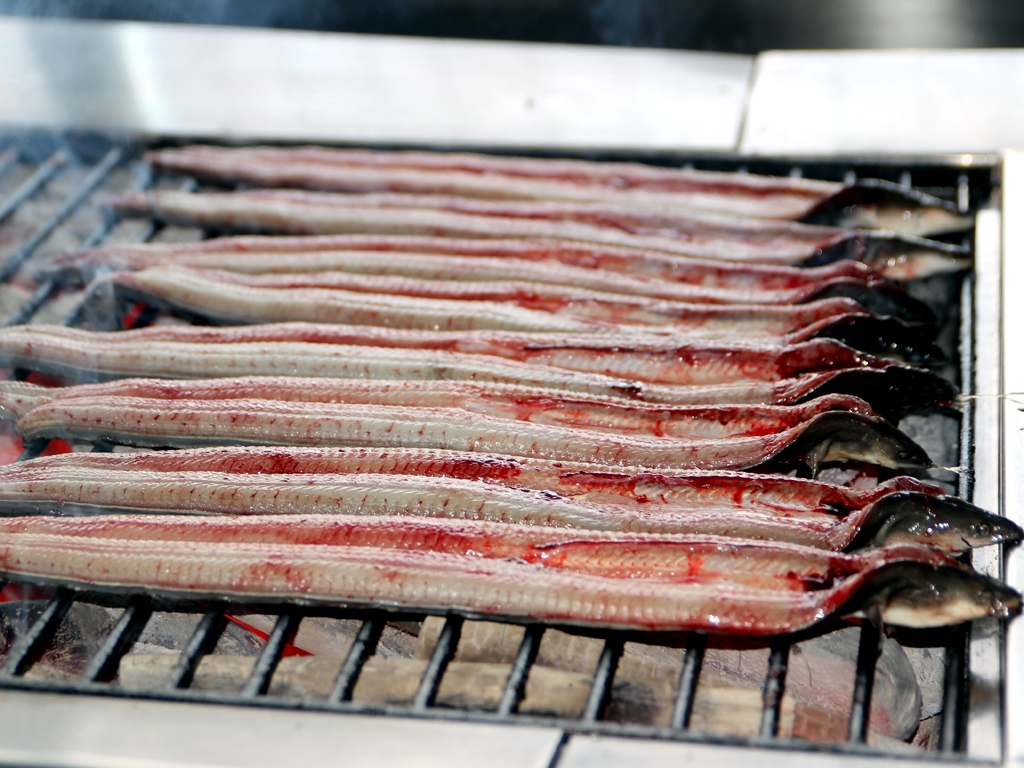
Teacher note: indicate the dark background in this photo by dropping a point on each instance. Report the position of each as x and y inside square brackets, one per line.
[741, 26]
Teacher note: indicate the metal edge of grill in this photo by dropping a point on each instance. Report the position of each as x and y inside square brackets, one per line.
[969, 188]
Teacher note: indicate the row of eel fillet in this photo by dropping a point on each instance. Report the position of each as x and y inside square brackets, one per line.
[511, 421]
[636, 367]
[416, 304]
[744, 505]
[321, 213]
[517, 391]
[869, 204]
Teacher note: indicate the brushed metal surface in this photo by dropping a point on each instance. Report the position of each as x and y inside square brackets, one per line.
[1013, 436]
[271, 84]
[610, 752]
[913, 101]
[984, 716]
[39, 729]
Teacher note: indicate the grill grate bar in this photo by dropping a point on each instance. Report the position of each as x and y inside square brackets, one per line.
[871, 640]
[689, 676]
[79, 313]
[954, 698]
[775, 687]
[8, 160]
[103, 666]
[601, 687]
[263, 670]
[39, 635]
[34, 183]
[47, 288]
[444, 652]
[203, 640]
[363, 647]
[963, 193]
[39, 297]
[93, 180]
[515, 686]
[955, 683]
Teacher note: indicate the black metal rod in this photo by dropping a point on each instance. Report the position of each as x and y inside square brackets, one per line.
[47, 288]
[263, 670]
[93, 180]
[601, 687]
[363, 647]
[33, 448]
[963, 193]
[954, 695]
[143, 180]
[203, 640]
[31, 185]
[444, 651]
[864, 682]
[515, 686]
[99, 234]
[8, 159]
[30, 645]
[689, 676]
[774, 687]
[556, 755]
[102, 667]
[39, 297]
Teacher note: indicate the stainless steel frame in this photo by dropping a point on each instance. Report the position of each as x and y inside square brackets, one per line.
[156, 79]
[140, 78]
[1012, 433]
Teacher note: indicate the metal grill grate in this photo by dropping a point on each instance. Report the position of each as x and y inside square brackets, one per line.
[52, 156]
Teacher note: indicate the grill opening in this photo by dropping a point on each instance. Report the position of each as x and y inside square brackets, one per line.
[52, 192]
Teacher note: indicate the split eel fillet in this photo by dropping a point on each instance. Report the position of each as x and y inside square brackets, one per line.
[727, 491]
[662, 228]
[204, 295]
[900, 510]
[904, 593]
[692, 560]
[653, 265]
[517, 403]
[826, 438]
[631, 355]
[875, 294]
[427, 266]
[870, 204]
[486, 176]
[756, 374]
[318, 213]
[707, 236]
[463, 305]
[66, 490]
